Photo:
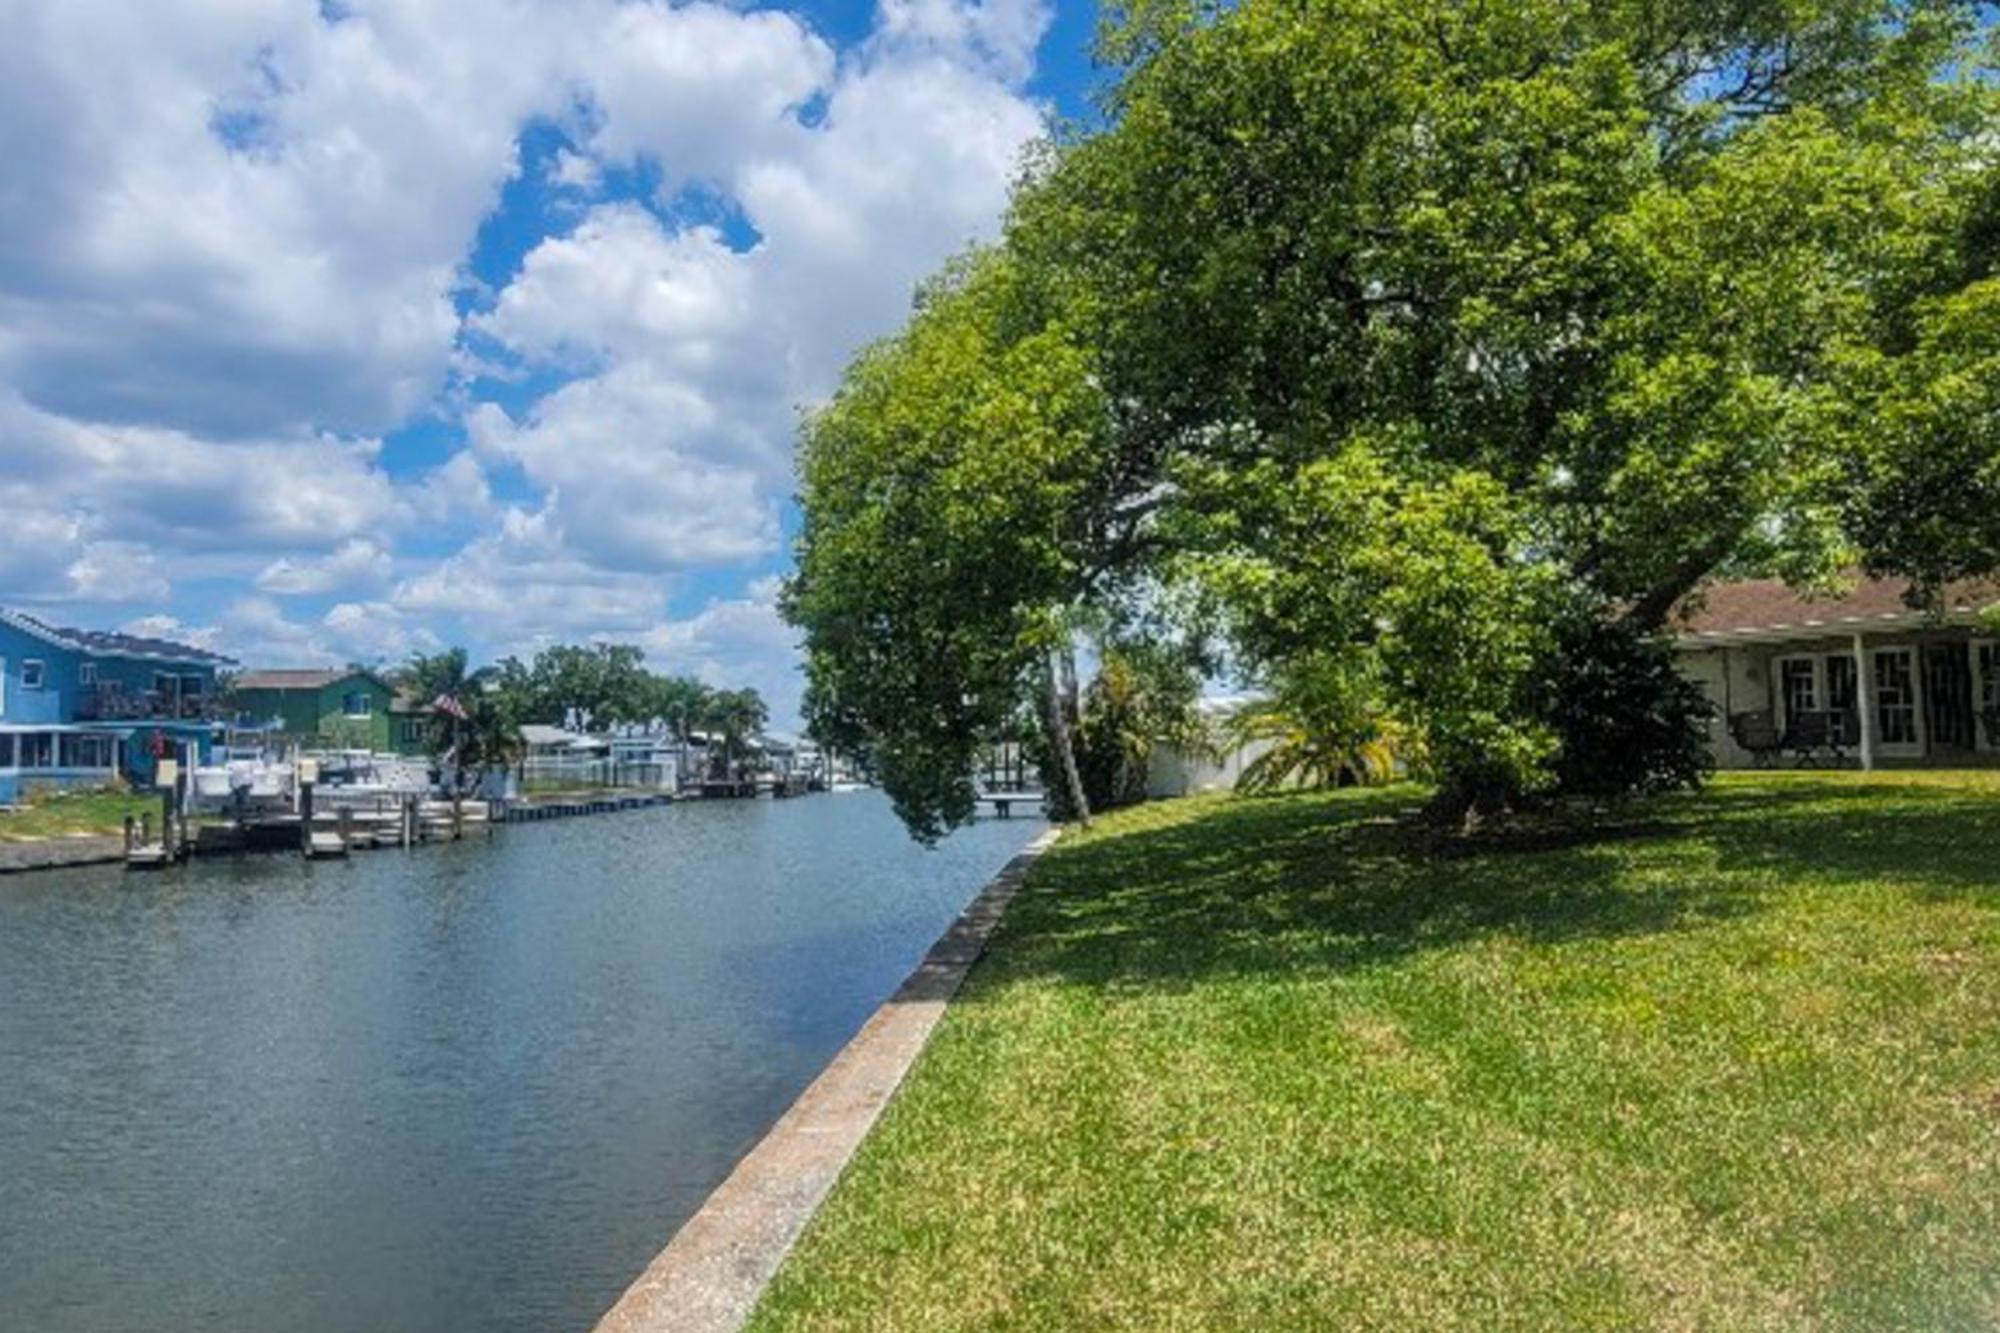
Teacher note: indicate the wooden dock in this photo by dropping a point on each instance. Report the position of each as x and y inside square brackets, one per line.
[1003, 802]
[149, 856]
[734, 789]
[148, 849]
[321, 845]
[569, 808]
[335, 832]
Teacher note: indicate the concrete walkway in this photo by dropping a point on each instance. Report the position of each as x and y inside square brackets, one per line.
[82, 849]
[710, 1275]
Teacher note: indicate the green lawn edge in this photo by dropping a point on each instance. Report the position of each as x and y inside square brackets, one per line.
[71, 814]
[1732, 1062]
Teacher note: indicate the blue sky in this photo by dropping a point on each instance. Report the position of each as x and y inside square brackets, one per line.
[339, 331]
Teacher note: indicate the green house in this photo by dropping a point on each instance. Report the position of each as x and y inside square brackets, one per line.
[340, 708]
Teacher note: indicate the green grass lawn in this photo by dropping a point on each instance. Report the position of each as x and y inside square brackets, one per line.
[1238, 1063]
[58, 814]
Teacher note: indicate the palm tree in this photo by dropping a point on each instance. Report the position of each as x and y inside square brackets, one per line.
[1321, 727]
[737, 716]
[474, 729]
[679, 703]
[1145, 696]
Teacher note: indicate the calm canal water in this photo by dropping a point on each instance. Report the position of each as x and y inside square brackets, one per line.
[469, 1087]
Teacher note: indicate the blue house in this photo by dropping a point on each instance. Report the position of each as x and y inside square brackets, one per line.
[80, 706]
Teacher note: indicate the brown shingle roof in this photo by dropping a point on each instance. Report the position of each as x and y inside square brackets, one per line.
[1748, 606]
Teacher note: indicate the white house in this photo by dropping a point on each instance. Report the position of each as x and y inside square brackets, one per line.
[1864, 678]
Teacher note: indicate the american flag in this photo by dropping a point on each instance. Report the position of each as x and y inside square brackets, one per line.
[449, 704]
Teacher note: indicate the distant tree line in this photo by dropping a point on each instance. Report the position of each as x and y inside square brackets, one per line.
[479, 712]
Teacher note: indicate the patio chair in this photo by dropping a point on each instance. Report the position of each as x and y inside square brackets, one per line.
[1756, 734]
[1810, 737]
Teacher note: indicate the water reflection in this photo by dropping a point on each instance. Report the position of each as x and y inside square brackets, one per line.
[466, 1087]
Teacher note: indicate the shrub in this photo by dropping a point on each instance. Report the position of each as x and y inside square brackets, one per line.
[1626, 721]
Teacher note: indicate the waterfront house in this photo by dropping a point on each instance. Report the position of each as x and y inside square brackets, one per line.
[557, 757]
[1863, 678]
[410, 721]
[649, 755]
[81, 707]
[343, 708]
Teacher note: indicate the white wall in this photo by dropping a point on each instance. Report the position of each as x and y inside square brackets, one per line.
[1172, 773]
[1747, 688]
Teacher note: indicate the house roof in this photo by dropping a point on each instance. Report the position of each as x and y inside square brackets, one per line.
[299, 678]
[1766, 609]
[110, 643]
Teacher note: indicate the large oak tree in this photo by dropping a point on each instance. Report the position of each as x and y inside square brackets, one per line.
[1421, 332]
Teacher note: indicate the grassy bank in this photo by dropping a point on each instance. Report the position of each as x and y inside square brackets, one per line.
[62, 814]
[1263, 1064]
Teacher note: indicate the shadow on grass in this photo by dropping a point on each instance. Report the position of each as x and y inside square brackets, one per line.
[1307, 883]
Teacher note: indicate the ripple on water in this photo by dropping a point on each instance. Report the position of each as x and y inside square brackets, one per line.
[466, 1087]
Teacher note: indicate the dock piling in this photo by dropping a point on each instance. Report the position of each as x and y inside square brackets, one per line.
[305, 816]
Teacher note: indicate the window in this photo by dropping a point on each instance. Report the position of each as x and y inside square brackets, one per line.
[6, 750]
[32, 673]
[78, 751]
[191, 687]
[358, 703]
[413, 731]
[38, 749]
[1896, 695]
[1798, 687]
[1986, 701]
[1841, 697]
[86, 673]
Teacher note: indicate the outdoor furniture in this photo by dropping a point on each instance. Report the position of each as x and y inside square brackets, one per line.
[1810, 737]
[1989, 722]
[1757, 735]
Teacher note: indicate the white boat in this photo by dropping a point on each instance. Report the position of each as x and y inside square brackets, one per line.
[254, 784]
[363, 778]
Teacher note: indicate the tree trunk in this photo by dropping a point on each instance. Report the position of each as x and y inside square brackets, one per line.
[1648, 613]
[1059, 733]
[1462, 803]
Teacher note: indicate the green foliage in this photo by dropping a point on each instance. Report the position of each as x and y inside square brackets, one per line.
[1927, 502]
[1506, 304]
[1423, 589]
[1144, 697]
[947, 498]
[487, 739]
[1323, 725]
[1399, 331]
[590, 685]
[1625, 720]
[585, 685]
[733, 717]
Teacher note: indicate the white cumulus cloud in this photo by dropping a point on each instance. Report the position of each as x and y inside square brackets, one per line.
[236, 237]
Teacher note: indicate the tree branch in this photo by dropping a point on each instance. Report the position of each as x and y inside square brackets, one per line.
[1650, 611]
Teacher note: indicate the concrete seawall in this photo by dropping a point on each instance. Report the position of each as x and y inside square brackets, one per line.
[710, 1275]
[82, 849]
